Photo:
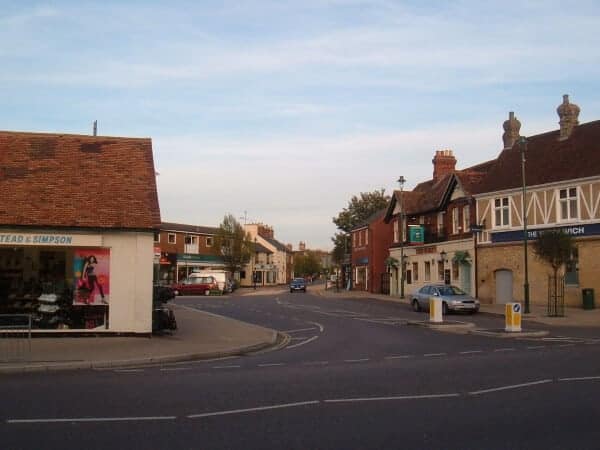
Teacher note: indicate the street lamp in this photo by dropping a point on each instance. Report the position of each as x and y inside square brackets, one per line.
[401, 181]
[523, 148]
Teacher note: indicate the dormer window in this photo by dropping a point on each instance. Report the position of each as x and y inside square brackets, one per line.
[568, 204]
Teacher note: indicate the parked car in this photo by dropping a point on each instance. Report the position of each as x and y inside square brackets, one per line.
[298, 284]
[196, 286]
[453, 298]
[222, 277]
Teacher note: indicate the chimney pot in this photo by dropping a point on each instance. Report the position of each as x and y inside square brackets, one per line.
[568, 114]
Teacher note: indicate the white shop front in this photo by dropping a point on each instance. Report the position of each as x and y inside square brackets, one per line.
[76, 280]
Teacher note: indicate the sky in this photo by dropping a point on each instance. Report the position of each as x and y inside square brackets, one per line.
[279, 111]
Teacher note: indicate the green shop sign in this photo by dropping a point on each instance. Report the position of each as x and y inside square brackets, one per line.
[416, 234]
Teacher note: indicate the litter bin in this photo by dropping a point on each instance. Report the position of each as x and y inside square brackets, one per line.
[588, 298]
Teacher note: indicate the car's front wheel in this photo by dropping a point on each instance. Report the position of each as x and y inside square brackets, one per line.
[415, 305]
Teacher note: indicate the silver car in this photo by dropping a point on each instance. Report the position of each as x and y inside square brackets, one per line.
[453, 298]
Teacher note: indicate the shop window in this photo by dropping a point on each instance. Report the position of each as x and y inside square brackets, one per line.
[415, 270]
[568, 204]
[209, 241]
[427, 271]
[361, 275]
[243, 274]
[440, 265]
[157, 237]
[501, 212]
[572, 269]
[171, 238]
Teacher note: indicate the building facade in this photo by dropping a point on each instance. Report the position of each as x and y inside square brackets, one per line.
[278, 270]
[77, 220]
[562, 180]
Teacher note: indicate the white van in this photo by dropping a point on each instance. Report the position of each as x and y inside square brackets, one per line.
[223, 278]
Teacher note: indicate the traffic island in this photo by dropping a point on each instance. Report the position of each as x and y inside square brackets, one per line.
[452, 326]
[502, 333]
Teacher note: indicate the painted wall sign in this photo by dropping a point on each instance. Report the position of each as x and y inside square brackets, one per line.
[588, 229]
[50, 239]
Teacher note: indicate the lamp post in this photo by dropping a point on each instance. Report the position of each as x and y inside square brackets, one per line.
[523, 148]
[401, 181]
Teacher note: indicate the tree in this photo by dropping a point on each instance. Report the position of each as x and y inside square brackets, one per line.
[233, 244]
[359, 209]
[308, 263]
[556, 248]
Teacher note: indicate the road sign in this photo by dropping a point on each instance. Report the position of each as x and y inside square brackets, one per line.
[512, 316]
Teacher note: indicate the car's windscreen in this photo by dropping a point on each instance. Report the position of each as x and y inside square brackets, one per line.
[450, 290]
[298, 280]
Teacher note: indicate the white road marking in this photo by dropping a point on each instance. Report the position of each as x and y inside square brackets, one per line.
[356, 360]
[271, 365]
[297, 338]
[298, 330]
[504, 350]
[535, 347]
[399, 357]
[399, 397]
[567, 345]
[128, 370]
[173, 369]
[427, 355]
[225, 367]
[304, 342]
[469, 352]
[247, 410]
[513, 386]
[92, 419]
[321, 327]
[579, 379]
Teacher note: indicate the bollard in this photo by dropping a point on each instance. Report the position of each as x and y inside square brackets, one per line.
[435, 310]
[512, 314]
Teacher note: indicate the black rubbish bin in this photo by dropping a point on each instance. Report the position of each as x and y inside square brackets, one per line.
[588, 298]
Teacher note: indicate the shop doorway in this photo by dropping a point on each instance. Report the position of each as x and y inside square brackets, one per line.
[504, 286]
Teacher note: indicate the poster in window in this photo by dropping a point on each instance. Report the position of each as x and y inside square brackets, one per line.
[91, 268]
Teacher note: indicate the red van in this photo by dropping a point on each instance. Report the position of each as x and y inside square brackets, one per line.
[196, 286]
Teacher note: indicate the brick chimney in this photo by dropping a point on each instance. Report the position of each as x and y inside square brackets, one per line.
[569, 115]
[265, 231]
[444, 163]
[289, 247]
[301, 246]
[511, 130]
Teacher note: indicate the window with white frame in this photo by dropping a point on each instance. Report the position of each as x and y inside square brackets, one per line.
[367, 236]
[501, 212]
[455, 222]
[403, 225]
[396, 231]
[440, 223]
[354, 239]
[172, 238]
[209, 241]
[466, 219]
[415, 271]
[568, 204]
[427, 271]
[360, 238]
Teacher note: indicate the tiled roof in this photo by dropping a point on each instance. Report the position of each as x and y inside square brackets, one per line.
[548, 159]
[258, 247]
[169, 226]
[278, 245]
[61, 180]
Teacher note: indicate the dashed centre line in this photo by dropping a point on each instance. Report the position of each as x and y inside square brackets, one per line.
[357, 360]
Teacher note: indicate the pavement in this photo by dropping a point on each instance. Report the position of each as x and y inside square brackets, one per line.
[200, 335]
[573, 317]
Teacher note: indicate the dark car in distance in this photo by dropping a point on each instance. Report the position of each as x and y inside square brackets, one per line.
[298, 284]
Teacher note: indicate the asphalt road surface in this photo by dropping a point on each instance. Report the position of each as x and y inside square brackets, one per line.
[354, 375]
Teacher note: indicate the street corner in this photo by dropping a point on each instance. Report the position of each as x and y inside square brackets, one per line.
[502, 333]
[450, 326]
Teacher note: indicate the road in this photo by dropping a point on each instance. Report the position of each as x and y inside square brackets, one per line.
[354, 375]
